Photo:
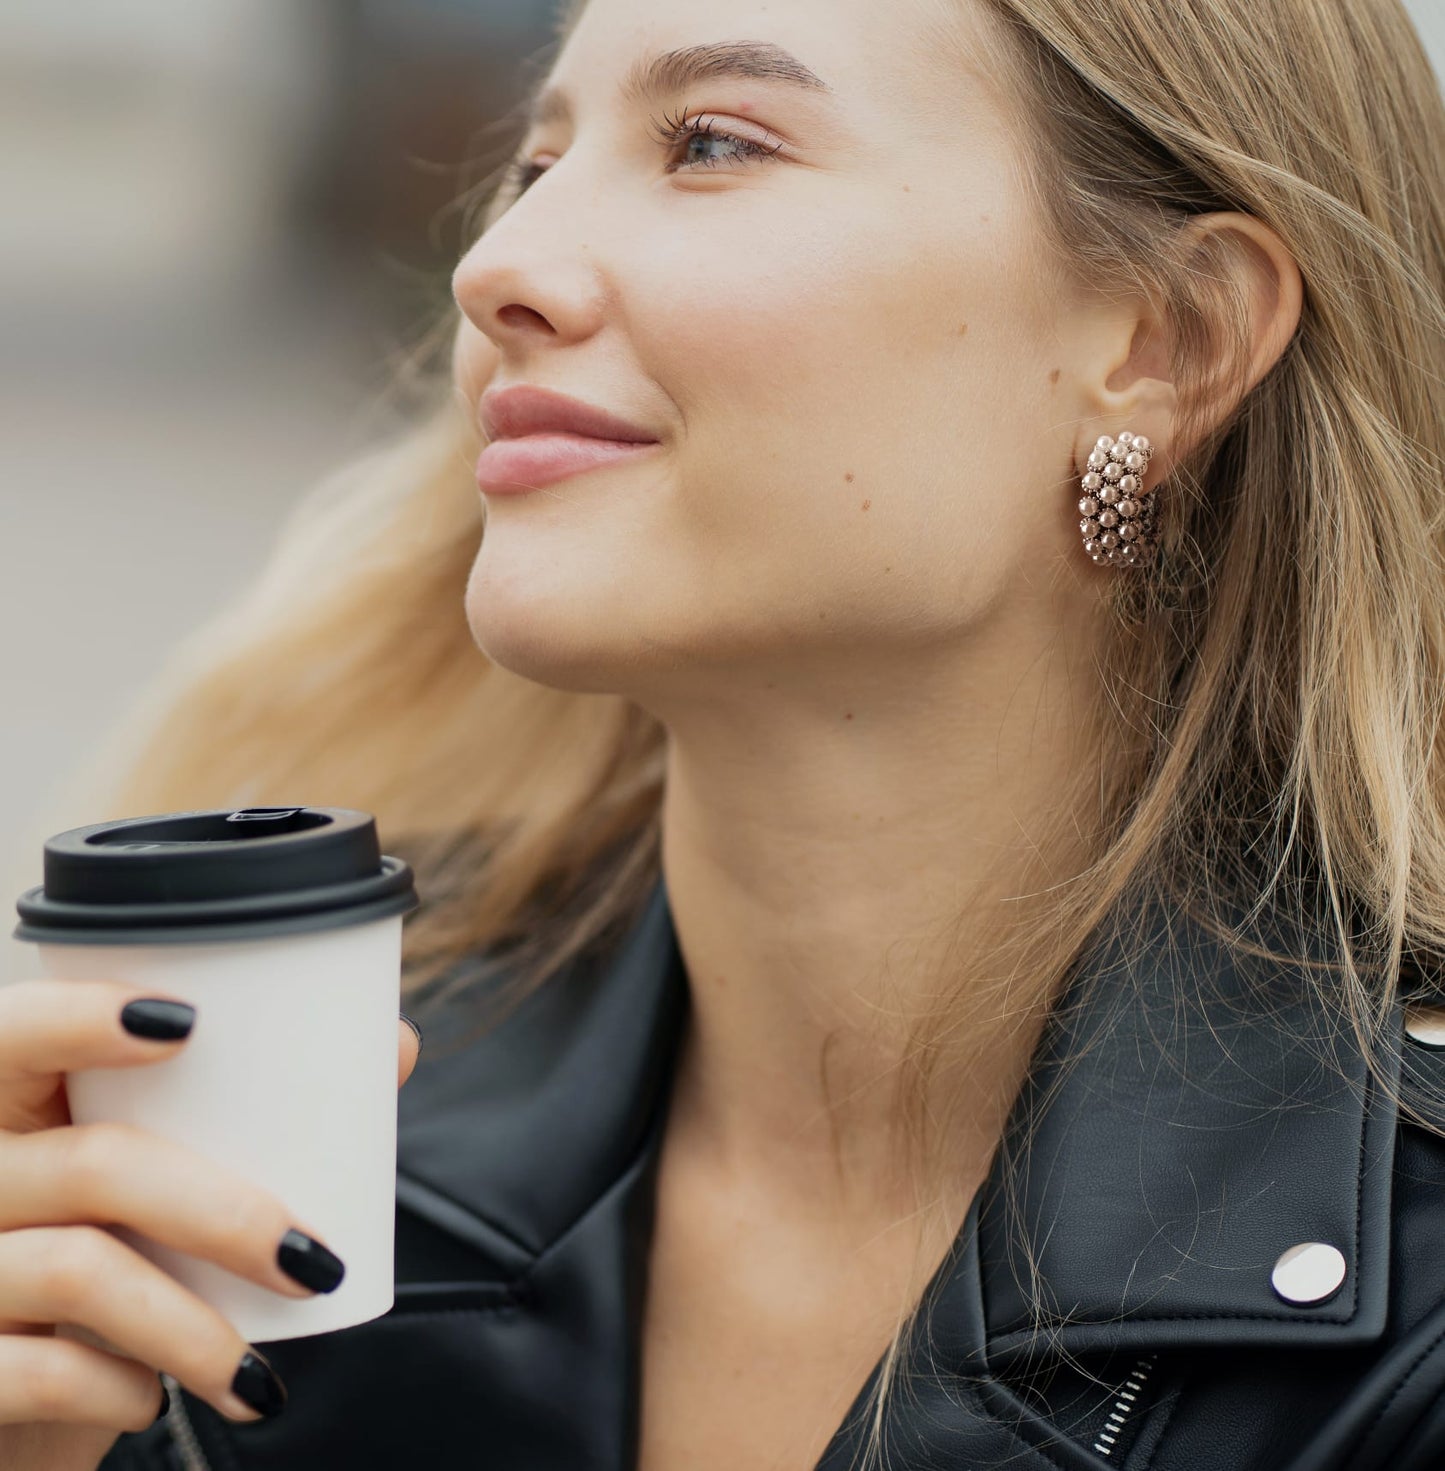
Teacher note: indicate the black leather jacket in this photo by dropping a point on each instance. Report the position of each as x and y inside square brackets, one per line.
[1203, 1135]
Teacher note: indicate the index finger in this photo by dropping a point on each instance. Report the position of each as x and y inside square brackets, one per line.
[50, 1027]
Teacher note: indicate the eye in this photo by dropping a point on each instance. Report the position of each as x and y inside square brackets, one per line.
[673, 133]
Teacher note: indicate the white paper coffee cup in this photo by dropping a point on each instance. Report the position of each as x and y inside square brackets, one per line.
[288, 1077]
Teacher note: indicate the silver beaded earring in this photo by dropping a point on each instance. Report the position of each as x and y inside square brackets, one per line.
[1121, 522]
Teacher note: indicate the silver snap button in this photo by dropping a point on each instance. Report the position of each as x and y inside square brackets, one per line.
[1309, 1272]
[1426, 1025]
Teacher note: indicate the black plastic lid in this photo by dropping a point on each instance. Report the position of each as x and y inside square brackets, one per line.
[192, 877]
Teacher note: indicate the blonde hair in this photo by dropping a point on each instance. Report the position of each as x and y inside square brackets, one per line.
[1276, 677]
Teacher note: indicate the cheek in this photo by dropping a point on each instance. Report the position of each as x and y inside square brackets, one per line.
[854, 401]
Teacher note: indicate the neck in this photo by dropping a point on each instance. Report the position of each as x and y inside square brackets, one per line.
[818, 861]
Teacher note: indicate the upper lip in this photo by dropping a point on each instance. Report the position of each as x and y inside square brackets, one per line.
[510, 413]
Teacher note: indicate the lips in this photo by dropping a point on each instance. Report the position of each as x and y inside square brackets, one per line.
[516, 466]
[514, 413]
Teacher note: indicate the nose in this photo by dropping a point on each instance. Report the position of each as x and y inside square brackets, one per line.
[531, 279]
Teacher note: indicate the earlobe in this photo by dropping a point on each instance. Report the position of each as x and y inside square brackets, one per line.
[1138, 394]
[1132, 385]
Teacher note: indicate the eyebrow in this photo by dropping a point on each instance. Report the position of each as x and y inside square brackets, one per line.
[673, 71]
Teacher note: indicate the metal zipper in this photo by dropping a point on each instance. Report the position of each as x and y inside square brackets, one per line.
[1124, 1406]
[182, 1432]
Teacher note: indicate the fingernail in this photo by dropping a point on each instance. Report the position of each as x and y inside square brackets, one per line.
[256, 1385]
[157, 1020]
[165, 1401]
[419, 1043]
[306, 1261]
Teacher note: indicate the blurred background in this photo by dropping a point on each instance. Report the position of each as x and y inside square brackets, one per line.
[225, 223]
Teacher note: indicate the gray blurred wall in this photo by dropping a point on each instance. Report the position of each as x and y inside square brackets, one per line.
[220, 219]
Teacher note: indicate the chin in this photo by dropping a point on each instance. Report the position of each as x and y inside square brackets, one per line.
[536, 635]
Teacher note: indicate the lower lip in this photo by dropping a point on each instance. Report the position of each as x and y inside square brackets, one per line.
[515, 466]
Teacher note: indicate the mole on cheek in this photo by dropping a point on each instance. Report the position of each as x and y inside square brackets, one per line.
[1054, 376]
[866, 504]
[849, 477]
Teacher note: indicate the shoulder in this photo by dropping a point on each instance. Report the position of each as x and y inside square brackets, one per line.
[1211, 1358]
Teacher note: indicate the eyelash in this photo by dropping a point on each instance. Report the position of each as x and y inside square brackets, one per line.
[520, 174]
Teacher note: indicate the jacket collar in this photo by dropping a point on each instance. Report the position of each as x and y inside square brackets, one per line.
[508, 1140]
[1214, 1116]
[1217, 1115]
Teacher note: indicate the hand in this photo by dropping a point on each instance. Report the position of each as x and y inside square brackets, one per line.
[63, 1403]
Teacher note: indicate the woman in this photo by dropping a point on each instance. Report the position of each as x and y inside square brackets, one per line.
[931, 890]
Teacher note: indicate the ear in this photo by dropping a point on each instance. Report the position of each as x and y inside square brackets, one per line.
[1134, 388]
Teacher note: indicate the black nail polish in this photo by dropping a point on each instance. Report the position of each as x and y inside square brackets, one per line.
[256, 1384]
[158, 1021]
[419, 1042]
[165, 1402]
[306, 1261]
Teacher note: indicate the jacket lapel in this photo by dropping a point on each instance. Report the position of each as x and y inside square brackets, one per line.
[1215, 1115]
[506, 1142]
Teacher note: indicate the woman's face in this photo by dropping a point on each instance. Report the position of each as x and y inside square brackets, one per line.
[862, 371]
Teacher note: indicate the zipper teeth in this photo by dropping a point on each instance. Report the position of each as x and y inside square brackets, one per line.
[1124, 1406]
[183, 1433]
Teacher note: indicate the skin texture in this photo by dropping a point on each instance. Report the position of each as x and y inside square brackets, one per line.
[850, 584]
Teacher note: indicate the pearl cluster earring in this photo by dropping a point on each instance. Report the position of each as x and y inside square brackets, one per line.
[1120, 518]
